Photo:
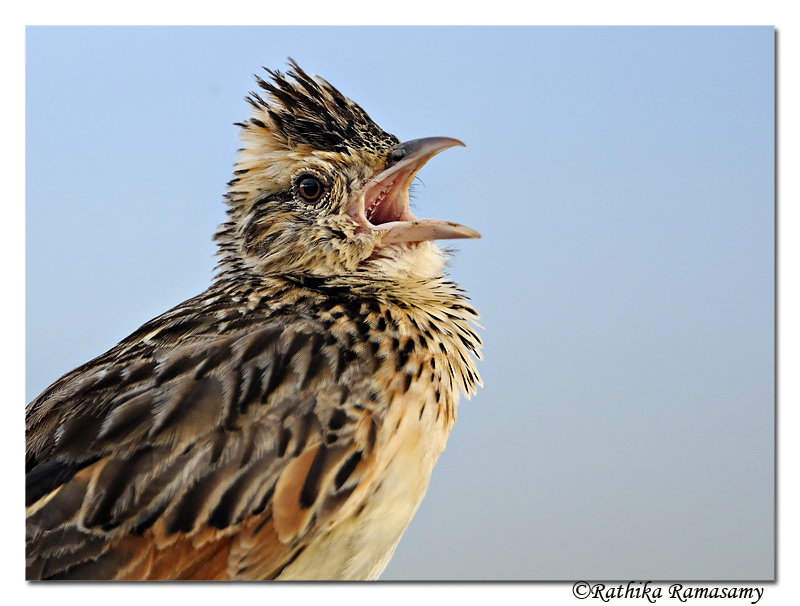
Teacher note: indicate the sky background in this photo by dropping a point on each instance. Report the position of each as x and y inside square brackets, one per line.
[623, 182]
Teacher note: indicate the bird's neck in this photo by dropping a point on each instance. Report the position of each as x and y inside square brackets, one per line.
[411, 273]
[402, 290]
[402, 302]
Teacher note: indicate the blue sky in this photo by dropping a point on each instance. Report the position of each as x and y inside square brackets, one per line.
[623, 182]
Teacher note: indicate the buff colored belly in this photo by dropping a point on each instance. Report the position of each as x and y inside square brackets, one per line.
[360, 547]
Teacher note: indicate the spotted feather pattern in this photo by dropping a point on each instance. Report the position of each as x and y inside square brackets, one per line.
[199, 433]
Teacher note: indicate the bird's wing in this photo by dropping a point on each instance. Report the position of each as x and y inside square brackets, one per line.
[220, 458]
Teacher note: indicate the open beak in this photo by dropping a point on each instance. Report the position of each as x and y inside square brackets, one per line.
[385, 206]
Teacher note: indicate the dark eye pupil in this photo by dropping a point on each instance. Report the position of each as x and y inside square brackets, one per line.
[310, 189]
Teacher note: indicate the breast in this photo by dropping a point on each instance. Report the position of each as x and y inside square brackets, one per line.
[424, 362]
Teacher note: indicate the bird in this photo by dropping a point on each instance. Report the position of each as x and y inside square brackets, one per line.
[284, 423]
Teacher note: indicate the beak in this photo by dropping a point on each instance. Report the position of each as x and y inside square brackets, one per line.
[385, 205]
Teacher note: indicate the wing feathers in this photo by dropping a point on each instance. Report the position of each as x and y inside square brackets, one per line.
[291, 513]
[217, 465]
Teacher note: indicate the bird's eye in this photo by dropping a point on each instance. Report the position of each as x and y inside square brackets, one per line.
[309, 188]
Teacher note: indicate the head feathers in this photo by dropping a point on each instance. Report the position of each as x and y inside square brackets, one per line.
[305, 110]
[304, 131]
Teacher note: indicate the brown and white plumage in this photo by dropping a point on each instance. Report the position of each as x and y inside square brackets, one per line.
[284, 423]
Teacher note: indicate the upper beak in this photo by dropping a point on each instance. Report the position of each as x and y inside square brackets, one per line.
[385, 205]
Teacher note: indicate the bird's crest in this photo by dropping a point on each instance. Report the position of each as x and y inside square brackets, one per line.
[303, 110]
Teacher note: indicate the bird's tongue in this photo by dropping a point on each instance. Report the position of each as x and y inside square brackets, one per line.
[387, 200]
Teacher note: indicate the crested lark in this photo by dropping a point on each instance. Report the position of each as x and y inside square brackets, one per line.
[284, 423]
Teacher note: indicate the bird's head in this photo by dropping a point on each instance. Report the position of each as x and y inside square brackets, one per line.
[320, 190]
